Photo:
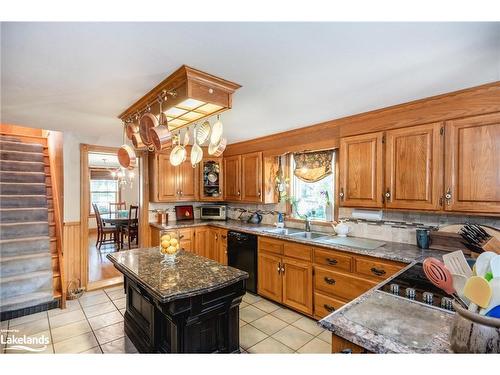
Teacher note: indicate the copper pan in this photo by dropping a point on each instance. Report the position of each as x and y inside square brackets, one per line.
[126, 157]
[131, 129]
[137, 142]
[147, 122]
[160, 136]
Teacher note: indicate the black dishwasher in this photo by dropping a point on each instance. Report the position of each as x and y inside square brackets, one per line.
[242, 254]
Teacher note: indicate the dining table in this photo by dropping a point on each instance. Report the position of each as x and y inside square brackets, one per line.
[118, 219]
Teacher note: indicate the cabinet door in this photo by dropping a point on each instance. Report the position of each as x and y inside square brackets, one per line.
[414, 167]
[251, 177]
[472, 164]
[201, 241]
[297, 285]
[166, 179]
[223, 246]
[269, 277]
[211, 179]
[187, 181]
[186, 239]
[232, 178]
[213, 244]
[361, 171]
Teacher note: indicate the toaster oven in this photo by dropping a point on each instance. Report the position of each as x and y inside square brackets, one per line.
[213, 212]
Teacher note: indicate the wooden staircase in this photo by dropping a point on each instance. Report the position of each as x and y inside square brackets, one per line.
[54, 206]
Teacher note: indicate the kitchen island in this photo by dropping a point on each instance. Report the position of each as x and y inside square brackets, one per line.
[188, 306]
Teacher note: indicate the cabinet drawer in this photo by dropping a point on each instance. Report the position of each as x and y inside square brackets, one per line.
[295, 250]
[333, 259]
[325, 305]
[186, 234]
[270, 245]
[375, 269]
[339, 284]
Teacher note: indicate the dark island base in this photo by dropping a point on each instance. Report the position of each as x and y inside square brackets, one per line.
[206, 323]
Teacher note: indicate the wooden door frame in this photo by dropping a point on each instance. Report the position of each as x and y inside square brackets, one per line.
[85, 211]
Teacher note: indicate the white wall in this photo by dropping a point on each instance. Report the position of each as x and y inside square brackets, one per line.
[71, 152]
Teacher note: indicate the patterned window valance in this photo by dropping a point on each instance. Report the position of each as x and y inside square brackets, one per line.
[100, 174]
[313, 166]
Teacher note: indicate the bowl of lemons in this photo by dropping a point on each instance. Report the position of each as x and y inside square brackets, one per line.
[169, 245]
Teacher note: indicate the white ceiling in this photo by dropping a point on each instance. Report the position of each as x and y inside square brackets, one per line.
[78, 76]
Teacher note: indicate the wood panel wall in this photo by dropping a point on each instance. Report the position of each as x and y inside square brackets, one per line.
[468, 102]
[72, 252]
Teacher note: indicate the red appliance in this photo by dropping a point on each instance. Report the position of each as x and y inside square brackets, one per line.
[184, 213]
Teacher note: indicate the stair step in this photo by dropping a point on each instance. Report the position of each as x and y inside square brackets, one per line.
[23, 264]
[26, 300]
[28, 177]
[20, 246]
[12, 145]
[23, 188]
[25, 283]
[23, 230]
[21, 155]
[12, 215]
[22, 166]
[12, 201]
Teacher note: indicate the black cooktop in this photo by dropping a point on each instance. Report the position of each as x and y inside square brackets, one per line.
[414, 285]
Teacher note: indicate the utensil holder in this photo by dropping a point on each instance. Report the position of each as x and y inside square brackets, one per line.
[474, 333]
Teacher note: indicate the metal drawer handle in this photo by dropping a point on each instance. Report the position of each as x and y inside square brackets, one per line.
[329, 280]
[346, 351]
[328, 307]
[377, 272]
[331, 261]
[181, 237]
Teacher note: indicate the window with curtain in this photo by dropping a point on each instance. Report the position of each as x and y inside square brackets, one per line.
[103, 189]
[312, 184]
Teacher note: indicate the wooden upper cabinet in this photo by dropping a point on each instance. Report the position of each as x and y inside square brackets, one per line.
[232, 178]
[251, 177]
[361, 171]
[165, 179]
[187, 182]
[472, 164]
[169, 183]
[414, 167]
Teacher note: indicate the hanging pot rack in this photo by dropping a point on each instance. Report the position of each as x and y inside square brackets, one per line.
[190, 94]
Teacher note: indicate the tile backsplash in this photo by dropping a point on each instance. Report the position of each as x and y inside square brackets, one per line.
[395, 226]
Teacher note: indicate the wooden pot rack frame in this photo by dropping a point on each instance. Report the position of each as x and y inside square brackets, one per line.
[184, 83]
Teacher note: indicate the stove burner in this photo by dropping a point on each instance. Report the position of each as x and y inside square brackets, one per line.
[414, 285]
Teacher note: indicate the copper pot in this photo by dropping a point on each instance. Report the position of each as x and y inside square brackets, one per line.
[161, 217]
[126, 157]
[160, 136]
[131, 129]
[147, 122]
[137, 142]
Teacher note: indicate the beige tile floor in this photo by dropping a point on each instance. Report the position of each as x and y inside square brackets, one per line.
[94, 324]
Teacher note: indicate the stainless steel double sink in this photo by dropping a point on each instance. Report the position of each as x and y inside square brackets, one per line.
[324, 238]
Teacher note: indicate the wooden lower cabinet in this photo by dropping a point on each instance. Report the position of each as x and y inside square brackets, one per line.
[222, 247]
[343, 285]
[270, 282]
[186, 236]
[201, 241]
[324, 305]
[297, 285]
[343, 346]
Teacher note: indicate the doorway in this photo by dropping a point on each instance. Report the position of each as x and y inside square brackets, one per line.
[111, 190]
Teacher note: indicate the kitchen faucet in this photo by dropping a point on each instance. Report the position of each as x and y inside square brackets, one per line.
[308, 224]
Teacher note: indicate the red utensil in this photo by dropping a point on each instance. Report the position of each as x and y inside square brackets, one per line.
[440, 276]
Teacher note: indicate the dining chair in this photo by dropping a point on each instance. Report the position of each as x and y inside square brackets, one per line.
[131, 229]
[104, 231]
[114, 207]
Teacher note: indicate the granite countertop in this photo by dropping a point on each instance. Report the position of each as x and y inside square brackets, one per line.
[189, 275]
[377, 321]
[400, 252]
[384, 323]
